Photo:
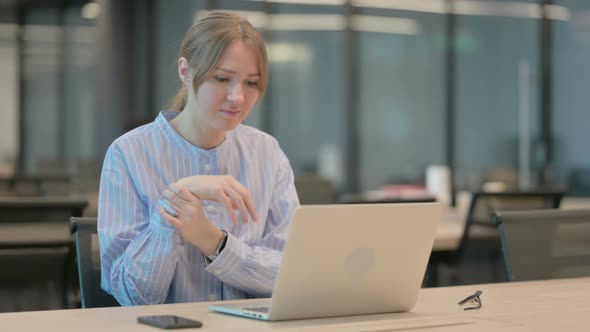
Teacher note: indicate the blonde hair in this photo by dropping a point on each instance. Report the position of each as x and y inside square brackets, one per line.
[205, 42]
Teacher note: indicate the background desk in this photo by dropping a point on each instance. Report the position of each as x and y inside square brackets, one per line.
[450, 230]
[35, 184]
[448, 238]
[556, 305]
[37, 251]
[42, 208]
[451, 227]
[38, 222]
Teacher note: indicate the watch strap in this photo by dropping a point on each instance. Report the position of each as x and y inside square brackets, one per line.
[220, 247]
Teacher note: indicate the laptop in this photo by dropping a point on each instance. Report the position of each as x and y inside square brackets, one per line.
[343, 260]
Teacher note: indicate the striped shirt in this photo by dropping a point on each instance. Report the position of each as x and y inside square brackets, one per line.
[145, 260]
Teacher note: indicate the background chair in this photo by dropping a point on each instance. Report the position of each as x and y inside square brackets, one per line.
[87, 249]
[545, 244]
[478, 258]
[579, 181]
[37, 252]
[484, 204]
[313, 189]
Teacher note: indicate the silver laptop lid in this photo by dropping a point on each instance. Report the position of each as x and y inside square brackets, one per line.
[354, 259]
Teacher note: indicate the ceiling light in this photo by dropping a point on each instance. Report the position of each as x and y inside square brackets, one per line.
[91, 10]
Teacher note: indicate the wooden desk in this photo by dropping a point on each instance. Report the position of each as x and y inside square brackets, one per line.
[448, 236]
[41, 208]
[38, 234]
[556, 305]
[449, 231]
[38, 181]
[452, 226]
[38, 222]
[392, 200]
[575, 203]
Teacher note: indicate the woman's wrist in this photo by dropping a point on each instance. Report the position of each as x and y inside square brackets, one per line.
[212, 241]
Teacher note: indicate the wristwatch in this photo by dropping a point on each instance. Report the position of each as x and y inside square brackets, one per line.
[210, 258]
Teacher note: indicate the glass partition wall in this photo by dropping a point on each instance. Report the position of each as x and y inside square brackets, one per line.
[571, 80]
[359, 89]
[497, 91]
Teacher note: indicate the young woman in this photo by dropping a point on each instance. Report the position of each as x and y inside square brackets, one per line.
[196, 206]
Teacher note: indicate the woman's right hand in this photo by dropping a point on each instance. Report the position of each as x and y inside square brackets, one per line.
[224, 189]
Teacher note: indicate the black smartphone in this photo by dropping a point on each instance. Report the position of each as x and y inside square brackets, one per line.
[169, 322]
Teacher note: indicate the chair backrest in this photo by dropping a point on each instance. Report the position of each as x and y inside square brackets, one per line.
[484, 204]
[545, 244]
[87, 249]
[313, 189]
[579, 182]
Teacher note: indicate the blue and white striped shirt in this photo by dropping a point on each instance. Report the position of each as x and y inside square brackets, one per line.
[145, 260]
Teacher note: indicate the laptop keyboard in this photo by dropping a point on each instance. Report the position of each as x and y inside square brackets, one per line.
[259, 309]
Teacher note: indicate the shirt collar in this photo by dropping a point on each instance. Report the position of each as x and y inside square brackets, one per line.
[163, 122]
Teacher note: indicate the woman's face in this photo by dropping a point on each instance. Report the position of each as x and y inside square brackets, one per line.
[227, 95]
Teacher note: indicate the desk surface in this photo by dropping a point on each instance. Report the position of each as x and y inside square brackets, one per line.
[43, 202]
[450, 230]
[555, 305]
[33, 177]
[43, 234]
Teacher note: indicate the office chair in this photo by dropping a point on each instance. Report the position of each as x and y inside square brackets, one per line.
[545, 244]
[484, 204]
[313, 189]
[579, 182]
[481, 233]
[87, 249]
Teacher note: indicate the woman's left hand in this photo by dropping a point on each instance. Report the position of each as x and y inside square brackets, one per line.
[191, 221]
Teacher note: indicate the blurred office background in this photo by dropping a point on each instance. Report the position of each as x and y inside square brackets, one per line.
[363, 93]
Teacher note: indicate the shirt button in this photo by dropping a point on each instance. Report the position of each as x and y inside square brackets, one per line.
[210, 209]
[208, 168]
[217, 272]
[212, 297]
